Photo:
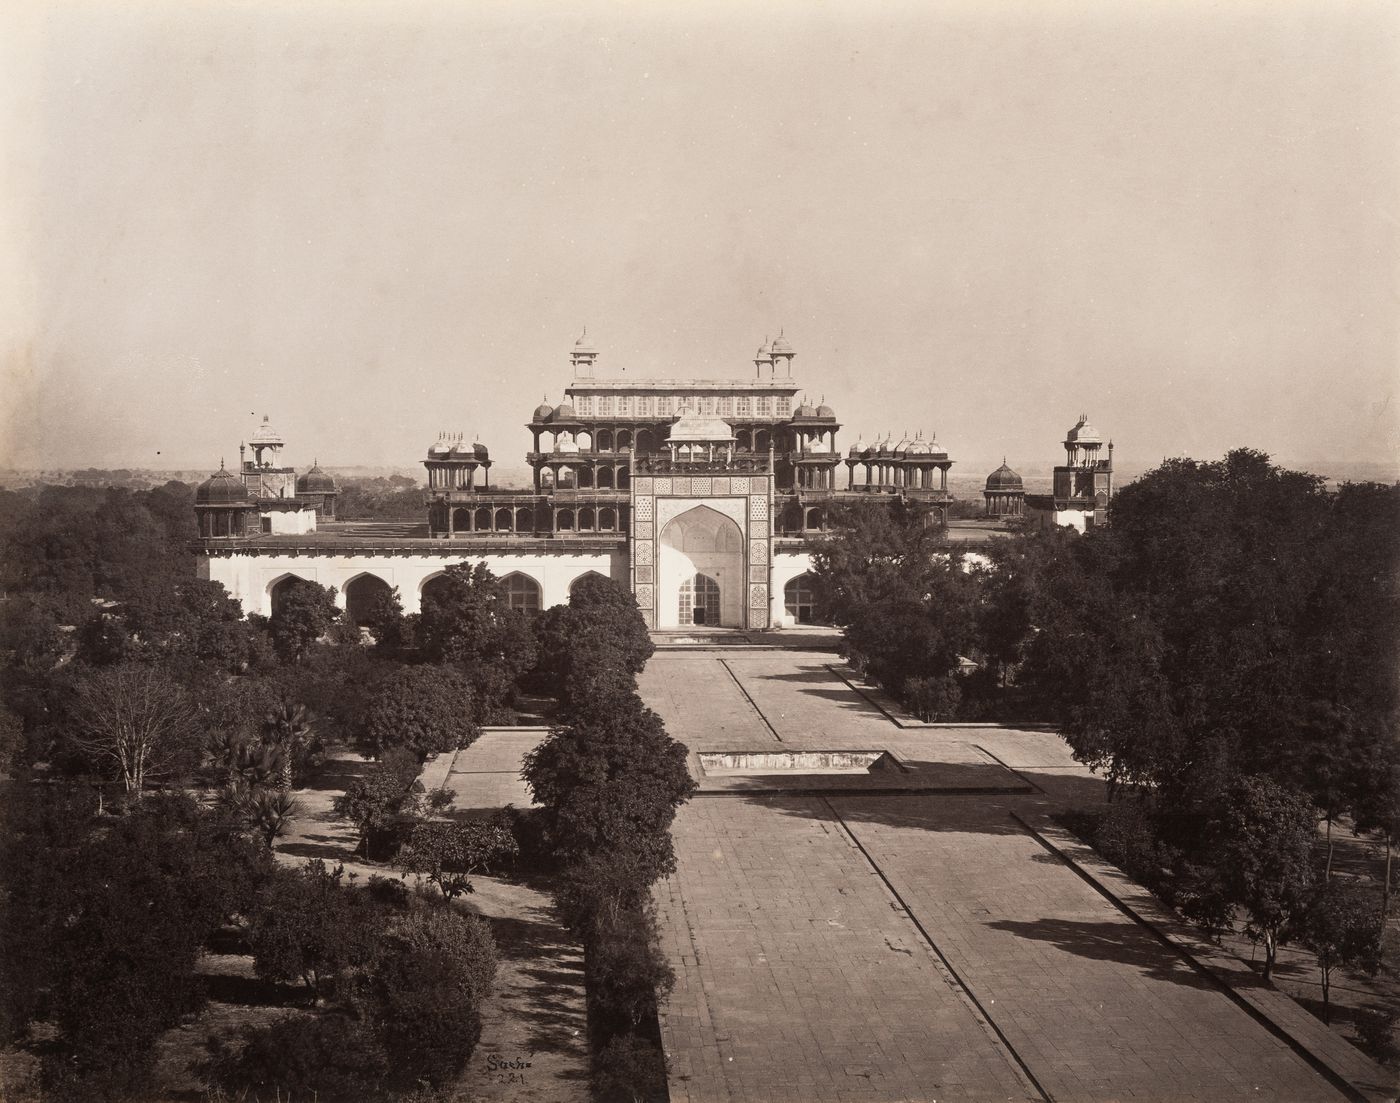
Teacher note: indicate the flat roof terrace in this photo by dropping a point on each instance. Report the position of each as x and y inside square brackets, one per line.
[408, 537]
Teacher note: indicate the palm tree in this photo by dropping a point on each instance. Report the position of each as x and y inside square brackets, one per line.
[289, 727]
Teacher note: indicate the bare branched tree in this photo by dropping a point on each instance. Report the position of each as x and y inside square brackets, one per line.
[136, 719]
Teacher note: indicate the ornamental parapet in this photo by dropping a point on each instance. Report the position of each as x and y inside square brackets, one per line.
[664, 465]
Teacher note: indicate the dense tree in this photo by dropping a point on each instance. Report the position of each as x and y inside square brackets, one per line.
[878, 552]
[307, 927]
[610, 783]
[593, 647]
[135, 721]
[331, 1058]
[424, 709]
[434, 968]
[1260, 852]
[103, 920]
[1376, 795]
[374, 802]
[467, 620]
[304, 613]
[627, 972]
[1342, 928]
[447, 853]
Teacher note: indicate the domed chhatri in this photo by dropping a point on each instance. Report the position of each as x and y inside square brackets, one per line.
[1005, 493]
[319, 490]
[1003, 478]
[544, 411]
[223, 506]
[564, 412]
[222, 488]
[316, 481]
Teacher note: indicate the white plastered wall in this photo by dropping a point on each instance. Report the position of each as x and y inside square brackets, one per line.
[249, 577]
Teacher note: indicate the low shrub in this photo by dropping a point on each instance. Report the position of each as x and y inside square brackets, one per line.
[331, 1058]
[629, 1069]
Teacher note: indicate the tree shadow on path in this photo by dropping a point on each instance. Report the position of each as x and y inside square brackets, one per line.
[1113, 941]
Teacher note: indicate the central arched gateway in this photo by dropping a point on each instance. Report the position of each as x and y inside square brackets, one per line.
[701, 570]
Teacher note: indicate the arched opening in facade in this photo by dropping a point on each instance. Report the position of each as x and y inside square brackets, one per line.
[564, 520]
[524, 519]
[461, 519]
[800, 600]
[503, 519]
[362, 594]
[607, 519]
[580, 578]
[646, 441]
[432, 589]
[585, 478]
[701, 541]
[482, 518]
[624, 439]
[816, 518]
[624, 477]
[743, 440]
[605, 478]
[761, 439]
[523, 593]
[585, 519]
[699, 600]
[277, 592]
[605, 440]
[584, 439]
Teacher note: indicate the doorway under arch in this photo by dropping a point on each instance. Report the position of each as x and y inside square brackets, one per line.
[700, 542]
[800, 600]
[699, 601]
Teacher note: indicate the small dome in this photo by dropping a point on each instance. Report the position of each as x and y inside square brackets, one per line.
[439, 448]
[882, 447]
[266, 435]
[1083, 432]
[316, 481]
[857, 448]
[543, 412]
[780, 345]
[566, 443]
[903, 446]
[805, 410]
[564, 412]
[583, 344]
[461, 448]
[1003, 478]
[691, 428]
[223, 488]
[480, 450]
[824, 411]
[763, 355]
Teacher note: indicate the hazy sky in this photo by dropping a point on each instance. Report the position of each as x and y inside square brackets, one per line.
[374, 221]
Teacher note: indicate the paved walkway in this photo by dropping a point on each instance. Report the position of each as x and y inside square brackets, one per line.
[890, 946]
